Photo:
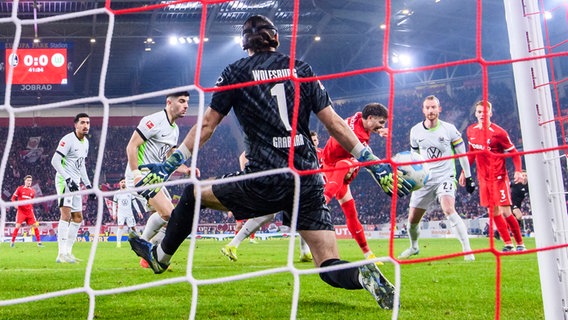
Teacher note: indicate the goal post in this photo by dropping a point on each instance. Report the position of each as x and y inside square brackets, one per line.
[546, 185]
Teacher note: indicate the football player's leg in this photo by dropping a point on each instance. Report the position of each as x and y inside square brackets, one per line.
[351, 217]
[179, 225]
[163, 207]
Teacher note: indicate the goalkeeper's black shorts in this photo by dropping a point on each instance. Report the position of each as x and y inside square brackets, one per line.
[264, 195]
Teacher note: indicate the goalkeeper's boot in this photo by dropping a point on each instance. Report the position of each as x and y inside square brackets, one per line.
[146, 251]
[409, 252]
[12, 245]
[380, 288]
[306, 257]
[372, 256]
[230, 252]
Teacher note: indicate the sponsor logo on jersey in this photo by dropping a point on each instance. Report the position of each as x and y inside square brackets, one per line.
[149, 124]
[62, 144]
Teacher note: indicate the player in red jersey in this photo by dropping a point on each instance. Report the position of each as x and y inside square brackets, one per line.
[371, 120]
[492, 175]
[26, 211]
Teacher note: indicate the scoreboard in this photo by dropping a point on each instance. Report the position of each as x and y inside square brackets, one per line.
[39, 66]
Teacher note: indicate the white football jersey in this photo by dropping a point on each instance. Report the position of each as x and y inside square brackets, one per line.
[123, 204]
[159, 135]
[437, 142]
[73, 151]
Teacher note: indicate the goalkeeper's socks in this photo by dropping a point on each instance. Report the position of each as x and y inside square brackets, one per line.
[180, 223]
[343, 278]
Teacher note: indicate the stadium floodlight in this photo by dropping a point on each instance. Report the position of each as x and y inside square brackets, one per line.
[181, 40]
[173, 40]
[237, 39]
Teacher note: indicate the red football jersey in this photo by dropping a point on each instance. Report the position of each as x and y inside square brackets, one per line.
[23, 193]
[496, 140]
[333, 151]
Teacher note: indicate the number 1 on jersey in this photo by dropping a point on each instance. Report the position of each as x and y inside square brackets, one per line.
[278, 92]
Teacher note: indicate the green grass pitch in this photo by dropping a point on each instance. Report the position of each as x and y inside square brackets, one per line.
[443, 289]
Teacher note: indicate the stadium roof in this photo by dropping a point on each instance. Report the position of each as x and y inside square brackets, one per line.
[351, 38]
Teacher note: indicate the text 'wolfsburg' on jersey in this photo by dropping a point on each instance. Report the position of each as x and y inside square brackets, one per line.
[73, 152]
[265, 111]
[436, 142]
[159, 135]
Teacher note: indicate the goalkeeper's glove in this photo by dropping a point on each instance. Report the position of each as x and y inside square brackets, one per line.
[383, 175]
[71, 185]
[92, 196]
[469, 185]
[159, 173]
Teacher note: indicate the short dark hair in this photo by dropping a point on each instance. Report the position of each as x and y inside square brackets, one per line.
[375, 109]
[79, 116]
[28, 176]
[259, 34]
[178, 94]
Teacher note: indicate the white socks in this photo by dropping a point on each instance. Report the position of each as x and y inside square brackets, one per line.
[72, 235]
[252, 225]
[414, 233]
[62, 231]
[155, 222]
[304, 248]
[459, 229]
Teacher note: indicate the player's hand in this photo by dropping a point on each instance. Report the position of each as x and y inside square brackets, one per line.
[71, 185]
[383, 175]
[92, 196]
[469, 185]
[159, 173]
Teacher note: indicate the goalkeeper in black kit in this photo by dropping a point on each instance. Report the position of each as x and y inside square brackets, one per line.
[265, 113]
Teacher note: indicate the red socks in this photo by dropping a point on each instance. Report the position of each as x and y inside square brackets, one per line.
[354, 225]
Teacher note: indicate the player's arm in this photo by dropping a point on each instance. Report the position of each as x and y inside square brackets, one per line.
[161, 172]
[382, 173]
[56, 161]
[465, 179]
[16, 195]
[243, 160]
[84, 175]
[135, 142]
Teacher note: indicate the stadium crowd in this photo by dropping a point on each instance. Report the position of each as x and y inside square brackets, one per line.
[33, 147]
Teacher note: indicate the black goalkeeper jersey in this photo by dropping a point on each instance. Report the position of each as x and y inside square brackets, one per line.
[265, 111]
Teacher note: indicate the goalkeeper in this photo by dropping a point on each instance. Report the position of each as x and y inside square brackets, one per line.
[265, 112]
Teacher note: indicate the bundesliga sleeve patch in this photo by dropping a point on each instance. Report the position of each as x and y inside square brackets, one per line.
[149, 124]
[62, 144]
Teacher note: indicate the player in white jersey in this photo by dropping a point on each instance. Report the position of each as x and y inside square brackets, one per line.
[122, 211]
[69, 162]
[434, 138]
[154, 139]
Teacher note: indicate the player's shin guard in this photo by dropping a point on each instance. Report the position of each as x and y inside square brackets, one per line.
[344, 278]
[180, 223]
